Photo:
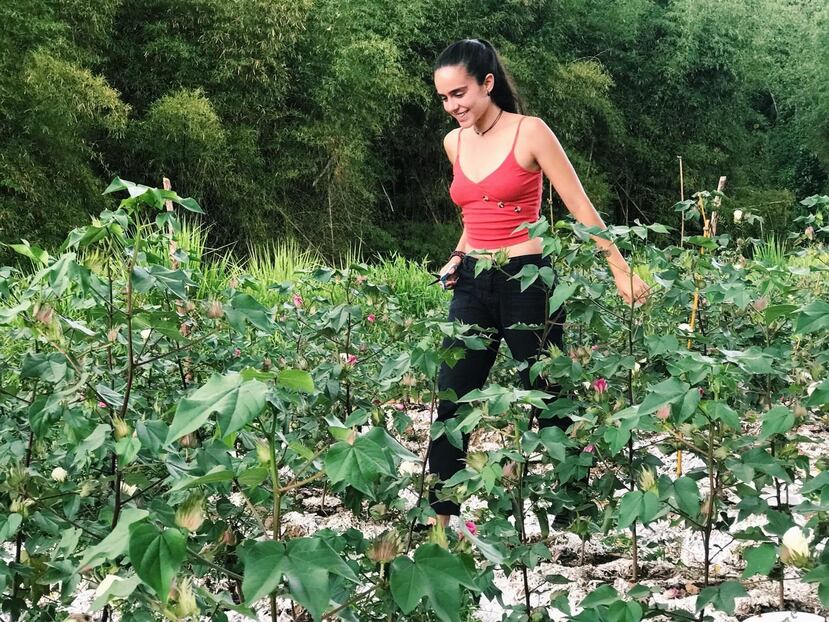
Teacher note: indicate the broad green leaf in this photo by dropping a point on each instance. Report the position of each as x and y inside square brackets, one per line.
[661, 344]
[296, 380]
[561, 294]
[263, 569]
[624, 611]
[156, 555]
[114, 586]
[52, 367]
[92, 442]
[127, 449]
[602, 595]
[812, 318]
[686, 493]
[778, 420]
[359, 464]
[434, 574]
[638, 505]
[820, 396]
[305, 563]
[666, 392]
[752, 361]
[759, 560]
[721, 596]
[234, 401]
[217, 475]
[9, 526]
[243, 308]
[115, 543]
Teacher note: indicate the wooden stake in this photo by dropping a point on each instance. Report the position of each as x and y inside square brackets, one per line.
[169, 205]
[681, 198]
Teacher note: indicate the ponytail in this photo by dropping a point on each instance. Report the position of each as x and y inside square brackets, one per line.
[480, 58]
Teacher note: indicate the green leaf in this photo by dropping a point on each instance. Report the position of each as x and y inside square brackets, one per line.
[661, 344]
[602, 595]
[114, 586]
[217, 475]
[306, 564]
[561, 294]
[638, 505]
[127, 449]
[156, 555]
[721, 596]
[9, 526]
[96, 438]
[624, 611]
[359, 464]
[434, 574]
[752, 361]
[820, 396]
[686, 493]
[52, 367]
[263, 569]
[234, 401]
[115, 544]
[778, 420]
[812, 318]
[759, 560]
[666, 392]
[243, 307]
[296, 380]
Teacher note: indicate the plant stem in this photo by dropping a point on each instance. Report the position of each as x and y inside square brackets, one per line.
[425, 462]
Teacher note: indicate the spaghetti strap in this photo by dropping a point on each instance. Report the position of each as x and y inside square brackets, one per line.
[518, 129]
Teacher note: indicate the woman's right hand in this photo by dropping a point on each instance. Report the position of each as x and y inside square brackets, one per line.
[451, 272]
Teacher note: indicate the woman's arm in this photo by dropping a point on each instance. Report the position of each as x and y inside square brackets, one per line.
[550, 156]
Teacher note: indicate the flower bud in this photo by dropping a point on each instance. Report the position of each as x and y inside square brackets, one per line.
[760, 304]
[664, 412]
[228, 537]
[186, 601]
[600, 386]
[44, 315]
[297, 300]
[112, 335]
[437, 535]
[188, 440]
[121, 428]
[476, 460]
[370, 318]
[215, 310]
[267, 364]
[263, 451]
[647, 480]
[59, 475]
[809, 232]
[21, 505]
[408, 380]
[190, 514]
[794, 549]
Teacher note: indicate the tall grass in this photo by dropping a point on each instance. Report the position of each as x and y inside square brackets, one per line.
[410, 281]
[771, 250]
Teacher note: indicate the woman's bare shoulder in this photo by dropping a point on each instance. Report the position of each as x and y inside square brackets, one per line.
[450, 144]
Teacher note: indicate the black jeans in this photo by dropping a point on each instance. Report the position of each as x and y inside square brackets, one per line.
[492, 301]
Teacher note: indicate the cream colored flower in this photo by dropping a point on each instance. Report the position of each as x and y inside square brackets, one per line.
[59, 475]
[647, 480]
[794, 549]
[738, 215]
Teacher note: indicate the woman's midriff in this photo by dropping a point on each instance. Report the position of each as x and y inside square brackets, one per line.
[530, 247]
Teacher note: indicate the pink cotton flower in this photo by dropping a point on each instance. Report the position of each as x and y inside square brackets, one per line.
[370, 318]
[589, 449]
[351, 359]
[102, 405]
[237, 353]
[400, 406]
[664, 412]
[298, 301]
[600, 385]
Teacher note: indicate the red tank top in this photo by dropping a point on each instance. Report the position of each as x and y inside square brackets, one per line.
[493, 207]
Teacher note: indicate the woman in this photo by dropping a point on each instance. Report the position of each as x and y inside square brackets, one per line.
[499, 157]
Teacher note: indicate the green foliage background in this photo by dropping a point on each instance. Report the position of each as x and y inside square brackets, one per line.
[316, 119]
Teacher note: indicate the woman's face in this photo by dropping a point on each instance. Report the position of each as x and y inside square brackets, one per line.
[462, 96]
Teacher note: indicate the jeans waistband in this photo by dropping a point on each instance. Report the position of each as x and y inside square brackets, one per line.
[516, 262]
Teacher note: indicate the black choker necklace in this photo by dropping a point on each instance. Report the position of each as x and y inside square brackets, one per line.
[479, 133]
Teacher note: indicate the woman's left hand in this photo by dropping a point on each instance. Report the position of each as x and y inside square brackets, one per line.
[632, 290]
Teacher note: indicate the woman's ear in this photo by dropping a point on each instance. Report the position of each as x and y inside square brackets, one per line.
[489, 82]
